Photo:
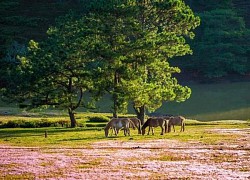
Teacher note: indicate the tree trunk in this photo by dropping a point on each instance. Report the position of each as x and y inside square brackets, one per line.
[140, 113]
[115, 96]
[72, 118]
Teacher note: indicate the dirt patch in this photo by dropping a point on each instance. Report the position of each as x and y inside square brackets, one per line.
[115, 159]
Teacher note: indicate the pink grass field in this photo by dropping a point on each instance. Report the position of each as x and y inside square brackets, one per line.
[115, 159]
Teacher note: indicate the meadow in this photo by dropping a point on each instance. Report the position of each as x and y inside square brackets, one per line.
[211, 105]
[56, 135]
[39, 144]
[212, 150]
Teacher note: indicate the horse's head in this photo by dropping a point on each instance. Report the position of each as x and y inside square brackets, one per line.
[106, 130]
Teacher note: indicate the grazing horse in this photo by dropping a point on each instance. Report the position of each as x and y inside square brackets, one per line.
[155, 122]
[119, 123]
[137, 123]
[176, 120]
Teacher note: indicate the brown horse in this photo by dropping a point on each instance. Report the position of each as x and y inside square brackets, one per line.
[176, 120]
[155, 122]
[119, 123]
[137, 123]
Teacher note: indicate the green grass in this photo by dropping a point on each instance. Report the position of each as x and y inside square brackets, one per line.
[83, 137]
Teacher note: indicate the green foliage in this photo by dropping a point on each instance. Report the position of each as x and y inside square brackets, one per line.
[33, 123]
[122, 48]
[99, 119]
[221, 46]
[96, 125]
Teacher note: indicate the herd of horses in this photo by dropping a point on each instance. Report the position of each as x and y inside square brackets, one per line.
[165, 123]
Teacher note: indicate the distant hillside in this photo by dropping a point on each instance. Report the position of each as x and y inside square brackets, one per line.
[22, 20]
[221, 46]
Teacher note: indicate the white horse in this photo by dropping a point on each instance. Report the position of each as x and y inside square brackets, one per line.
[119, 123]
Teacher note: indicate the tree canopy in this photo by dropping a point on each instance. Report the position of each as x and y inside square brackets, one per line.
[119, 47]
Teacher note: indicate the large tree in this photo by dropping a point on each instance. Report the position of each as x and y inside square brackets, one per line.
[119, 47]
[164, 25]
[135, 39]
[54, 72]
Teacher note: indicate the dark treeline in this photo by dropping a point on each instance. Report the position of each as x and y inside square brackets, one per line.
[221, 47]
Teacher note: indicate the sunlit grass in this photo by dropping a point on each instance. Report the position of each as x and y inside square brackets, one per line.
[84, 137]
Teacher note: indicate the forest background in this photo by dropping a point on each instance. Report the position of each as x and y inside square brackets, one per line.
[218, 72]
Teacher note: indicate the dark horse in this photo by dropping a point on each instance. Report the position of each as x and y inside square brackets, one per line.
[155, 122]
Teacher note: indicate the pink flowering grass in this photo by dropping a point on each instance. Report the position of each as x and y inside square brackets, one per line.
[115, 159]
[201, 152]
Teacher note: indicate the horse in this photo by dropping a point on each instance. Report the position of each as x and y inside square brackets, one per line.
[119, 123]
[176, 120]
[137, 123]
[155, 122]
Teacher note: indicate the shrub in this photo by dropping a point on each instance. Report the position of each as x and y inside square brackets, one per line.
[63, 123]
[11, 124]
[99, 119]
[95, 125]
[45, 123]
[28, 124]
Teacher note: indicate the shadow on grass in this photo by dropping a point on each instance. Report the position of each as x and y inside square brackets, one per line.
[22, 132]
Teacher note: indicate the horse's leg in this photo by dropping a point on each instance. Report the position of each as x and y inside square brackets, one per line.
[173, 128]
[166, 126]
[162, 130]
[153, 131]
[183, 127]
[112, 130]
[148, 130]
[139, 129]
[128, 130]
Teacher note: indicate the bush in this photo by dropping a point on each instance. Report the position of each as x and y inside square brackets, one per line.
[95, 125]
[13, 124]
[45, 123]
[99, 119]
[28, 124]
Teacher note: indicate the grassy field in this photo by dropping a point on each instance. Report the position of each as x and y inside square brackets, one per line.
[83, 136]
